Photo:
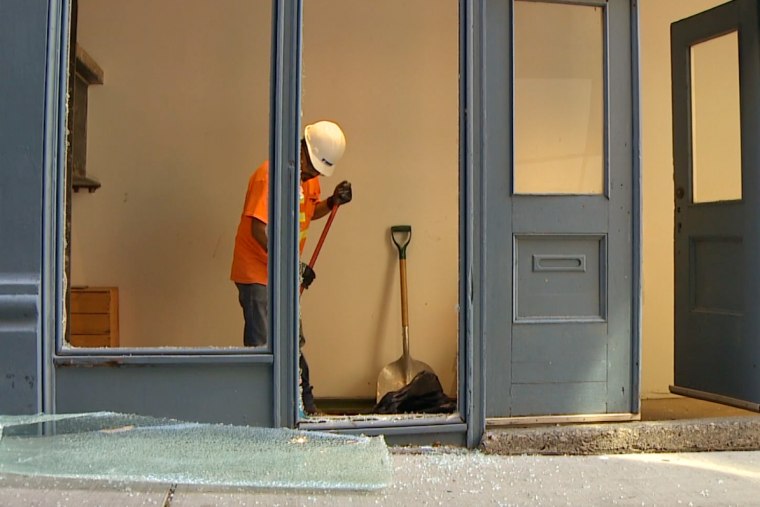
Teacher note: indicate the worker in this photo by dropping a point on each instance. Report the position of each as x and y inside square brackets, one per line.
[322, 146]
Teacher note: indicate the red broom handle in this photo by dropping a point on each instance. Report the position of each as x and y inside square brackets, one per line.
[322, 237]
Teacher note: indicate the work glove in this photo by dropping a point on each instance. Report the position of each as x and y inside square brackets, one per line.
[341, 195]
[307, 275]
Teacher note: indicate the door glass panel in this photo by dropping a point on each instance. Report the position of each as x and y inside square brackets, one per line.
[715, 120]
[559, 98]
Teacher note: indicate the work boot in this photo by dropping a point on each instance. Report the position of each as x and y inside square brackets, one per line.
[307, 395]
[308, 403]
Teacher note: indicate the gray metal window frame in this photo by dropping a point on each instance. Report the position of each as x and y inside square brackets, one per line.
[285, 136]
[52, 330]
[284, 114]
[470, 418]
[57, 66]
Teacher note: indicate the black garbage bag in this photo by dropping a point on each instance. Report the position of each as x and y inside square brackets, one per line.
[423, 394]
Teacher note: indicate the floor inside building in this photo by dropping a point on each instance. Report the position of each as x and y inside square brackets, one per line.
[655, 409]
[678, 407]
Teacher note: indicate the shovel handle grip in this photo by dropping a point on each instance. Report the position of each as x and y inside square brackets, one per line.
[402, 243]
[401, 236]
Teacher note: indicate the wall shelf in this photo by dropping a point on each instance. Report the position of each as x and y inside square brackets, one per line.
[87, 72]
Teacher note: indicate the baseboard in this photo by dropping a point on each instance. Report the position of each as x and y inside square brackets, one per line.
[345, 406]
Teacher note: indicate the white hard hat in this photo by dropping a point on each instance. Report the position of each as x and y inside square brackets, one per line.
[326, 144]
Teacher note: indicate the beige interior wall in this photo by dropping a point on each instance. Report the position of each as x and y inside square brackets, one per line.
[174, 132]
[657, 168]
[389, 76]
[182, 120]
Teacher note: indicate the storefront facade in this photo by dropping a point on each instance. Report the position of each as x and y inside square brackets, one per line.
[549, 280]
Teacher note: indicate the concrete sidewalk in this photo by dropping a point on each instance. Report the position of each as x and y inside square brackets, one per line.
[631, 463]
[456, 477]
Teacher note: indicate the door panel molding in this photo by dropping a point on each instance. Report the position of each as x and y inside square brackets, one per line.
[575, 292]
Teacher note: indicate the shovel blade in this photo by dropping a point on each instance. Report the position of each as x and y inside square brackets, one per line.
[397, 374]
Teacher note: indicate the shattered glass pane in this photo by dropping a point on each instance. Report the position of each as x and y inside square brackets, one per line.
[120, 447]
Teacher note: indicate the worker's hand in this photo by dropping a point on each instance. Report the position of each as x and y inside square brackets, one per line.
[341, 194]
[307, 275]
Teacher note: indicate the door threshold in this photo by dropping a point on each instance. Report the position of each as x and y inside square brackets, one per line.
[378, 421]
[499, 422]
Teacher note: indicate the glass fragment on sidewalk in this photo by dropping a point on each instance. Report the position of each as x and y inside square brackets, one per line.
[121, 447]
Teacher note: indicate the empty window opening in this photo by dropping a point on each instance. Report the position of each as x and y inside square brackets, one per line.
[176, 133]
[392, 82]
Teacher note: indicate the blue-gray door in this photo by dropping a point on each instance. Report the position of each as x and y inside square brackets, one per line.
[716, 119]
[559, 215]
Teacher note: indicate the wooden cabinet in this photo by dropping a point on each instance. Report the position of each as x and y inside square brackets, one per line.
[94, 317]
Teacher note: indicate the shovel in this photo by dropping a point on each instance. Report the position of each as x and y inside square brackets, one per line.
[399, 373]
